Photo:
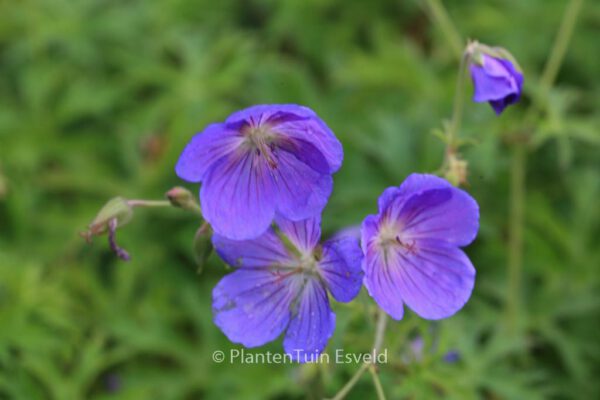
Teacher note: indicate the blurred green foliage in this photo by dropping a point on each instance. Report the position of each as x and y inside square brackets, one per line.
[97, 99]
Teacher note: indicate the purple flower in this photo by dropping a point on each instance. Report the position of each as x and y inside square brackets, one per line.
[261, 162]
[412, 250]
[497, 81]
[281, 284]
[451, 357]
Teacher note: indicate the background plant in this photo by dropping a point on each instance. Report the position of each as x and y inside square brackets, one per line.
[97, 99]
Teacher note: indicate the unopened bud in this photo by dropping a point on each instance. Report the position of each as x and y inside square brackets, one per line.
[183, 198]
[202, 245]
[115, 209]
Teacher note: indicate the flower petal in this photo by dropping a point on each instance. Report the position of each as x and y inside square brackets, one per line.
[493, 81]
[414, 183]
[390, 194]
[205, 149]
[252, 307]
[298, 123]
[417, 183]
[369, 229]
[301, 191]
[266, 251]
[381, 281]
[300, 132]
[237, 196]
[436, 280]
[304, 234]
[314, 131]
[311, 326]
[341, 267]
[270, 113]
[447, 214]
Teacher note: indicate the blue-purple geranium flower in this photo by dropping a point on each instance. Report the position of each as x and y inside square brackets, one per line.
[411, 248]
[261, 162]
[497, 81]
[281, 284]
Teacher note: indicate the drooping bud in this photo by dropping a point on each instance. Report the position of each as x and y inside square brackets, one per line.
[117, 209]
[496, 76]
[202, 245]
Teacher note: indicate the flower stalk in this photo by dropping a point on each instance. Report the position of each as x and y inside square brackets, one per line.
[382, 319]
[519, 162]
[119, 211]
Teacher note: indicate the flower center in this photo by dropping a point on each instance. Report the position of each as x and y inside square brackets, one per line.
[261, 139]
[308, 263]
[390, 237]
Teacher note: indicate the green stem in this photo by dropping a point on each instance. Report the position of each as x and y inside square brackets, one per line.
[555, 60]
[348, 386]
[377, 383]
[519, 161]
[440, 16]
[382, 319]
[459, 103]
[561, 44]
[377, 343]
[149, 203]
[515, 242]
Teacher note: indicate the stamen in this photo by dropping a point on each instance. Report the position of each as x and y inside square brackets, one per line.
[260, 138]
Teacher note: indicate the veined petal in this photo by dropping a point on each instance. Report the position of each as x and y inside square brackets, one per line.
[266, 251]
[493, 80]
[390, 194]
[341, 267]
[305, 152]
[301, 191]
[252, 307]
[417, 183]
[270, 113]
[304, 234]
[205, 149]
[312, 325]
[446, 214]
[299, 123]
[382, 280]
[393, 198]
[369, 229]
[314, 131]
[436, 280]
[238, 197]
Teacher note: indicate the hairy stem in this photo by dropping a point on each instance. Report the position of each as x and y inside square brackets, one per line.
[439, 14]
[515, 240]
[561, 44]
[519, 164]
[555, 60]
[377, 343]
[459, 102]
[149, 203]
[348, 386]
[377, 383]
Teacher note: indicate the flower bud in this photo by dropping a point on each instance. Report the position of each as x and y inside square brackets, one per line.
[116, 208]
[202, 245]
[496, 76]
[183, 198]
